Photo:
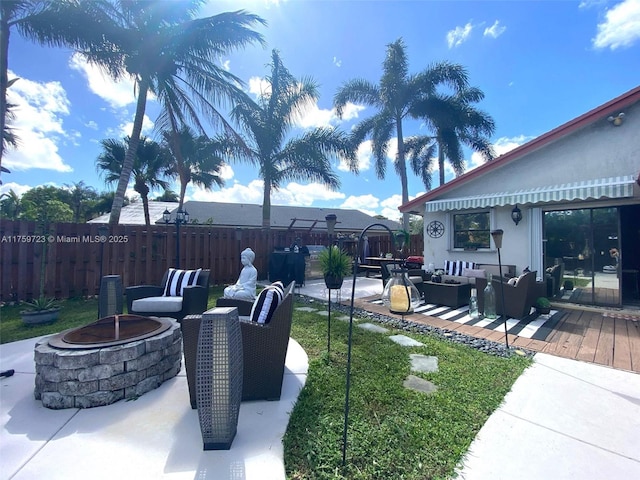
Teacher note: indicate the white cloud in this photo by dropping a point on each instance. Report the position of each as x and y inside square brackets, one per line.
[259, 86]
[621, 27]
[16, 187]
[364, 158]
[226, 65]
[117, 94]
[125, 129]
[39, 110]
[304, 194]
[494, 30]
[226, 172]
[364, 203]
[351, 111]
[92, 125]
[336, 62]
[459, 35]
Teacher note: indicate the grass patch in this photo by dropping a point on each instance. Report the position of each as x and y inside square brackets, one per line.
[393, 432]
[74, 313]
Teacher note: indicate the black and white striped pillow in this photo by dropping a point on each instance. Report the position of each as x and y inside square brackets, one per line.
[455, 267]
[178, 279]
[267, 302]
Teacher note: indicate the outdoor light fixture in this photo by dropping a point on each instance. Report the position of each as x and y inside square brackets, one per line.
[497, 240]
[616, 120]
[400, 294]
[516, 214]
[182, 216]
[331, 220]
[353, 290]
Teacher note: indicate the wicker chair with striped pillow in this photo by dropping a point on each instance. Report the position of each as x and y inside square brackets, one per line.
[181, 293]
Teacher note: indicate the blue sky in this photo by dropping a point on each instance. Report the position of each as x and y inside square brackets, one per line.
[539, 63]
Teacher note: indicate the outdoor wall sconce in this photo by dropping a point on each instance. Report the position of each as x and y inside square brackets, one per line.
[516, 214]
[616, 120]
[182, 216]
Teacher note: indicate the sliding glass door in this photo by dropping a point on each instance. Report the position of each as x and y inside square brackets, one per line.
[585, 244]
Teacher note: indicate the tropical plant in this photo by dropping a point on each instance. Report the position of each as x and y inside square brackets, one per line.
[543, 302]
[335, 262]
[10, 205]
[393, 97]
[169, 53]
[196, 159]
[456, 122]
[82, 200]
[41, 205]
[40, 304]
[168, 196]
[148, 167]
[279, 157]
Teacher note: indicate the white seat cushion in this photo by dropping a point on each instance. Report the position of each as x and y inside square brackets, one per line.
[157, 304]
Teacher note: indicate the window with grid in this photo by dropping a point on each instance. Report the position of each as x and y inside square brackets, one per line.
[471, 230]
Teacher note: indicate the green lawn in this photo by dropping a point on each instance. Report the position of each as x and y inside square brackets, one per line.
[393, 432]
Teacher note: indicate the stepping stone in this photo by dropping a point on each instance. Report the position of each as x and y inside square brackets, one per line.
[405, 341]
[306, 309]
[373, 328]
[345, 318]
[419, 385]
[423, 363]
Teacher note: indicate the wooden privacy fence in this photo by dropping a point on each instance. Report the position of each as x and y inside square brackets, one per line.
[78, 255]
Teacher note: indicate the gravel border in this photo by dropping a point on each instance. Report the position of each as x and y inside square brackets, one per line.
[481, 344]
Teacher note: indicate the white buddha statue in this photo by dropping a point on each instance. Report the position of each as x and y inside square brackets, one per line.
[245, 287]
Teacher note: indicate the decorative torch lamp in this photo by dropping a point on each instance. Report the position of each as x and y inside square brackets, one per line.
[516, 215]
[497, 240]
[331, 220]
[182, 216]
[400, 294]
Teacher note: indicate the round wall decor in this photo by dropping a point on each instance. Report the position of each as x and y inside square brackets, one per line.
[435, 229]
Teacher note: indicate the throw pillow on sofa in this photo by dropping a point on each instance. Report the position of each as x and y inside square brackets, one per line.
[267, 303]
[473, 272]
[455, 267]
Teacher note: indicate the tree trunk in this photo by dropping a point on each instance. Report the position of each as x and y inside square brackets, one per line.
[441, 163]
[266, 206]
[402, 170]
[4, 79]
[145, 207]
[118, 200]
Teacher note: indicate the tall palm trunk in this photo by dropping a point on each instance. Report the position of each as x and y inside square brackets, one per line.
[266, 206]
[402, 167]
[4, 79]
[441, 162]
[118, 200]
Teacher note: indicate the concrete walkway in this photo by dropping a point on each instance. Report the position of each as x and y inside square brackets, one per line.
[156, 436]
[563, 419]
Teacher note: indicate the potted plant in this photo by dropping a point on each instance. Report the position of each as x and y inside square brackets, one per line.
[40, 310]
[437, 276]
[568, 285]
[543, 305]
[334, 265]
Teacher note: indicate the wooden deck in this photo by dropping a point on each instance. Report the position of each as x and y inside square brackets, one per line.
[598, 336]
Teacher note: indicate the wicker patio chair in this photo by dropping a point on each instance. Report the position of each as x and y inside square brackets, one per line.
[194, 299]
[264, 351]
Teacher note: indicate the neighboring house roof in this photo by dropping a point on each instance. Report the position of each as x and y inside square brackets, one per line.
[133, 214]
[613, 107]
[250, 216]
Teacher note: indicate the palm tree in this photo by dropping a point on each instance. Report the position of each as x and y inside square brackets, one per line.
[393, 97]
[268, 121]
[148, 167]
[169, 53]
[456, 122]
[195, 159]
[10, 205]
[82, 199]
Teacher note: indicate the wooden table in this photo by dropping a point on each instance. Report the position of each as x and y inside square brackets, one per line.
[374, 264]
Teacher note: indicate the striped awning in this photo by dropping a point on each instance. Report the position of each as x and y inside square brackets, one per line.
[613, 187]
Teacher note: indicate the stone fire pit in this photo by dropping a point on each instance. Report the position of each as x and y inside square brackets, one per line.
[115, 358]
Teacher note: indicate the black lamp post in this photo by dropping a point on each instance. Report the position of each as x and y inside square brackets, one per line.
[497, 239]
[353, 290]
[331, 220]
[182, 216]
